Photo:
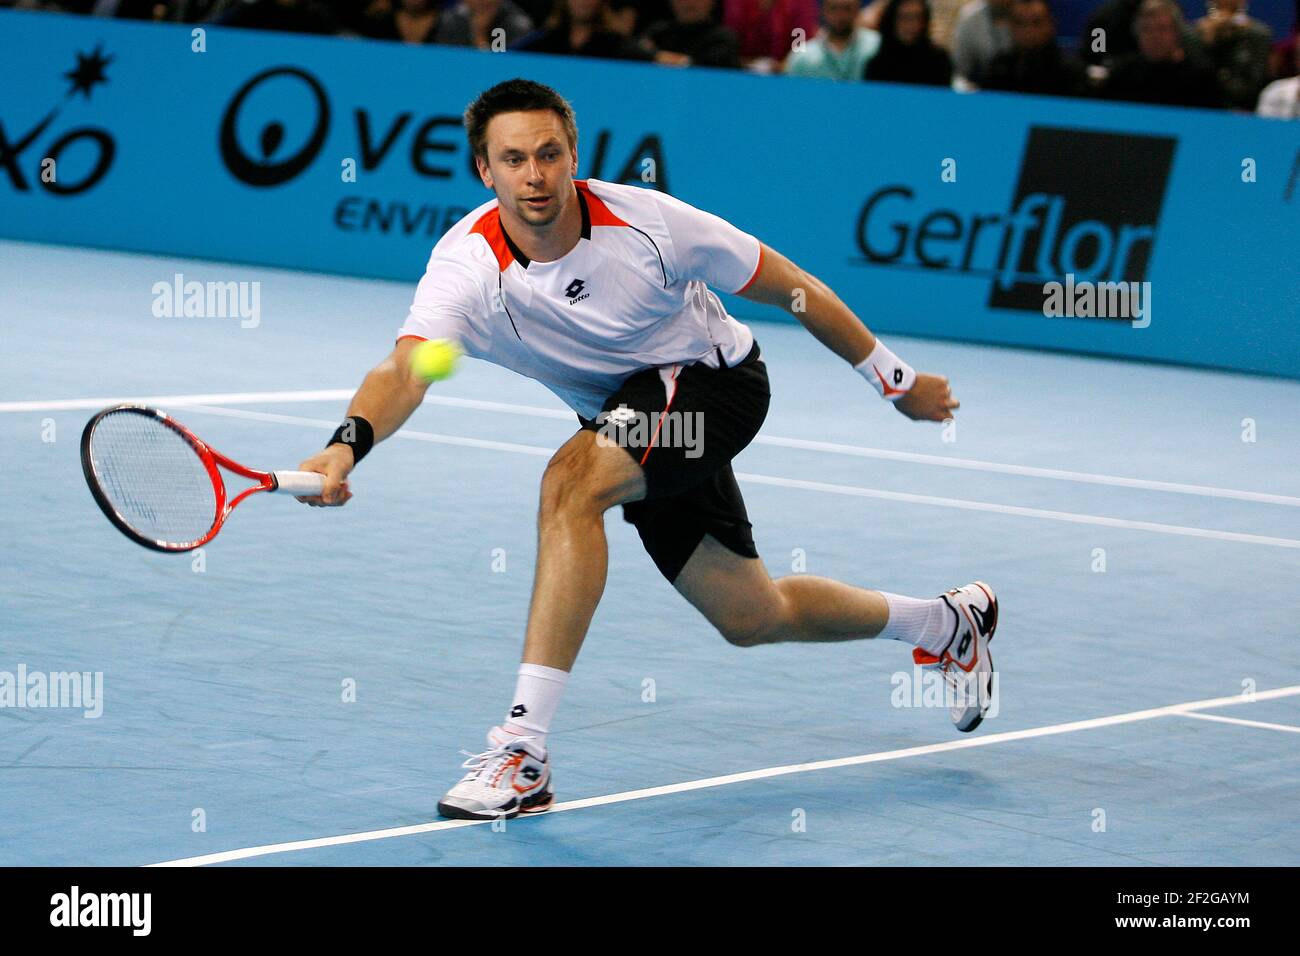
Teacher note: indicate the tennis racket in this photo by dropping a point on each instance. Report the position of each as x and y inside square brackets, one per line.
[161, 486]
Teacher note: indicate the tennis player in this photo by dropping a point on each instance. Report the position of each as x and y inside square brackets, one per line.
[600, 291]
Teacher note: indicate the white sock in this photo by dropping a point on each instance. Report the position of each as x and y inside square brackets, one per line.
[537, 698]
[928, 624]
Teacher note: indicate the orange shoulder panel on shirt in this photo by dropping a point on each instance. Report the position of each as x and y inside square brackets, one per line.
[489, 227]
[599, 212]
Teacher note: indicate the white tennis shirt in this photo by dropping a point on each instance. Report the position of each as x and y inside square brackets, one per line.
[632, 294]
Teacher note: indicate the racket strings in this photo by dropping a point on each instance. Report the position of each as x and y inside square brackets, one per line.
[153, 478]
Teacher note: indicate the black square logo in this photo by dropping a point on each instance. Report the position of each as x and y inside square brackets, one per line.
[1088, 204]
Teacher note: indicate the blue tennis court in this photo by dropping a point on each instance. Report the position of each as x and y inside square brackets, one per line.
[298, 693]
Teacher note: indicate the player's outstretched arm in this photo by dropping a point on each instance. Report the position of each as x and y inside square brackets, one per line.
[782, 283]
[386, 399]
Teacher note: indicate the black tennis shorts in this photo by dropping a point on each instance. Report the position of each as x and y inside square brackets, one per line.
[684, 425]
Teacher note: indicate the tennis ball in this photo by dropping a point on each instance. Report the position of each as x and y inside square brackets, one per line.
[435, 359]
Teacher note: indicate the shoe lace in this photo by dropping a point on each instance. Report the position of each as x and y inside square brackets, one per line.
[488, 764]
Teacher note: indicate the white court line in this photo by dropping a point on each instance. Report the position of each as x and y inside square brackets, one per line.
[961, 504]
[535, 411]
[1029, 471]
[1244, 723]
[406, 433]
[1071, 517]
[722, 781]
[222, 398]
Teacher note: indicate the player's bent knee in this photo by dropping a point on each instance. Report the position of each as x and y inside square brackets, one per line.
[580, 477]
[561, 484]
[747, 630]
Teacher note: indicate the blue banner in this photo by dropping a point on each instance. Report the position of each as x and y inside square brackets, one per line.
[1163, 234]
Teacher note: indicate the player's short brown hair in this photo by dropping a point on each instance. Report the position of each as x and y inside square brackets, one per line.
[513, 96]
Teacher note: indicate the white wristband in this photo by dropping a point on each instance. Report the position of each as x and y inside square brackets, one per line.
[888, 374]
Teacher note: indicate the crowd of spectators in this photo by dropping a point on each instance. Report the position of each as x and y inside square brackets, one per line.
[1136, 50]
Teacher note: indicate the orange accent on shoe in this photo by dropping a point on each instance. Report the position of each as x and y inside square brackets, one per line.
[975, 655]
[532, 786]
[514, 762]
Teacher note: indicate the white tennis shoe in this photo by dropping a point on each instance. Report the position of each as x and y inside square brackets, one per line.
[966, 664]
[511, 777]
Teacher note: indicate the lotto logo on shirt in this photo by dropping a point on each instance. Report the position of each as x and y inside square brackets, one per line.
[1086, 204]
[574, 291]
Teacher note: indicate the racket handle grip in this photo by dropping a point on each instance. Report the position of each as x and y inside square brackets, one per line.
[298, 482]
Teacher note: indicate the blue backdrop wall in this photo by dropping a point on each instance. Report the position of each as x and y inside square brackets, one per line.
[929, 212]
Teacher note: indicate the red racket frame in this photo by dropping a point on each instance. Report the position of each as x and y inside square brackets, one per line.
[212, 461]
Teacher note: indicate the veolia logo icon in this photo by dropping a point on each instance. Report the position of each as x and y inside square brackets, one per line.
[1086, 204]
[275, 125]
[268, 168]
